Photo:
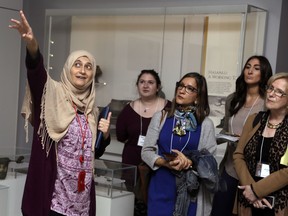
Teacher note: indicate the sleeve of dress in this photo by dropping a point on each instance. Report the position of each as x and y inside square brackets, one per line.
[149, 152]
[207, 137]
[36, 79]
[121, 126]
[104, 143]
[36, 74]
[32, 63]
[239, 159]
[275, 181]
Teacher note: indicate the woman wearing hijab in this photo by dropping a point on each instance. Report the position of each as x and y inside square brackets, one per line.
[64, 117]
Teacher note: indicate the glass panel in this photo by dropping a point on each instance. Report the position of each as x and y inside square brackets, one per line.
[114, 179]
[122, 46]
[214, 41]
[254, 33]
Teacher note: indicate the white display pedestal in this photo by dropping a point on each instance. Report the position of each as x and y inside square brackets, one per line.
[3, 200]
[15, 192]
[114, 182]
[14, 182]
[111, 206]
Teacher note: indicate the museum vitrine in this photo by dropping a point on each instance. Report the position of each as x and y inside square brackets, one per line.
[114, 179]
[211, 40]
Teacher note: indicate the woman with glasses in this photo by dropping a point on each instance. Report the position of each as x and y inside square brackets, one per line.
[60, 179]
[247, 99]
[261, 157]
[170, 137]
[132, 122]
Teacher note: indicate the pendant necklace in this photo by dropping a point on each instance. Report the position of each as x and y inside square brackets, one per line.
[172, 135]
[147, 108]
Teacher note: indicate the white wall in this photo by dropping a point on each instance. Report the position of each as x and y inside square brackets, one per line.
[9, 82]
[11, 4]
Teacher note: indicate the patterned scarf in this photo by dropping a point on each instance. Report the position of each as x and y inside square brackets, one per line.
[186, 120]
[277, 150]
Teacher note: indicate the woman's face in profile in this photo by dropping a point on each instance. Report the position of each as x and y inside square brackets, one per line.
[187, 91]
[81, 72]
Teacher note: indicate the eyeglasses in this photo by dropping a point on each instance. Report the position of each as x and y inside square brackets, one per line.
[279, 93]
[189, 89]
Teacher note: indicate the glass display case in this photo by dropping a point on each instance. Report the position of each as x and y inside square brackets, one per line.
[114, 179]
[11, 165]
[212, 40]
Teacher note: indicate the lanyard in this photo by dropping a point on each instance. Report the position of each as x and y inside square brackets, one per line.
[83, 135]
[82, 173]
[232, 118]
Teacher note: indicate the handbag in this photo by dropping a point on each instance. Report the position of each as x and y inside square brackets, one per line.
[141, 187]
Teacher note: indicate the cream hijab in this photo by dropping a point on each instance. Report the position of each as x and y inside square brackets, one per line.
[59, 101]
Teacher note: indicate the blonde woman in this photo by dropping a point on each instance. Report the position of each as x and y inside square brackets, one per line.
[261, 157]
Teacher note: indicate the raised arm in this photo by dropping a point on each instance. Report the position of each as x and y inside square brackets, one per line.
[26, 33]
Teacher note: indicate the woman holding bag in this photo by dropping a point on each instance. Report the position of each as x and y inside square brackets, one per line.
[184, 128]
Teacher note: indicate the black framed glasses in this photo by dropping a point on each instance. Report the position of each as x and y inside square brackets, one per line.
[188, 88]
[279, 93]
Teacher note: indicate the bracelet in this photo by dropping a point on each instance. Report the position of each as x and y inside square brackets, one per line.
[253, 191]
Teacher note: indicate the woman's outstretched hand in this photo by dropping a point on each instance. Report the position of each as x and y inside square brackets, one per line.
[24, 29]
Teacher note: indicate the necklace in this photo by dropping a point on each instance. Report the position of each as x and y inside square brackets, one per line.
[172, 135]
[147, 108]
[273, 126]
